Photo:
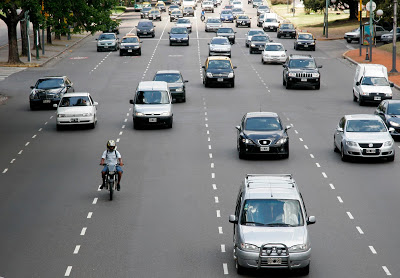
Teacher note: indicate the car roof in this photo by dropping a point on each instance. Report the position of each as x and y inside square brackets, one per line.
[304, 33]
[273, 43]
[130, 36]
[77, 94]
[218, 58]
[152, 85]
[300, 56]
[261, 114]
[362, 117]
[47, 77]
[108, 33]
[255, 30]
[167, 71]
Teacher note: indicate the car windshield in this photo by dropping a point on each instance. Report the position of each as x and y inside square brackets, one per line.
[305, 37]
[274, 47]
[180, 30]
[226, 12]
[270, 20]
[51, 83]
[225, 30]
[303, 64]
[129, 40]
[393, 109]
[176, 12]
[186, 8]
[228, 7]
[183, 20]
[287, 26]
[375, 81]
[75, 101]
[262, 7]
[208, 3]
[272, 212]
[220, 41]
[174, 7]
[152, 97]
[243, 17]
[145, 24]
[219, 64]
[155, 12]
[168, 77]
[254, 32]
[259, 38]
[263, 124]
[365, 126]
[213, 20]
[106, 37]
[237, 10]
[146, 9]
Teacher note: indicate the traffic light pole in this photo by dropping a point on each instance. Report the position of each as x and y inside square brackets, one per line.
[394, 51]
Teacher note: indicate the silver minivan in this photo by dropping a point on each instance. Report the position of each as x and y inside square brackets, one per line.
[152, 104]
[270, 225]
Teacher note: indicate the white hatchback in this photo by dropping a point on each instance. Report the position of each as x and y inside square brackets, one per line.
[76, 109]
[273, 53]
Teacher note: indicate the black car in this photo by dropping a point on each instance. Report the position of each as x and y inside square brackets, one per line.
[130, 45]
[155, 15]
[218, 70]
[243, 21]
[286, 30]
[301, 70]
[262, 133]
[49, 90]
[175, 15]
[145, 28]
[228, 33]
[389, 111]
[257, 43]
[145, 12]
[178, 35]
[176, 83]
[188, 11]
[304, 41]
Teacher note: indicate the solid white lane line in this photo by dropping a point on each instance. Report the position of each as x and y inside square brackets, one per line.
[68, 271]
[223, 248]
[323, 174]
[225, 267]
[213, 175]
[311, 155]
[340, 199]
[349, 215]
[319, 166]
[359, 230]
[372, 249]
[386, 271]
[95, 201]
[306, 147]
[12, 160]
[209, 147]
[212, 165]
[77, 249]
[220, 230]
[5, 170]
[45, 123]
[331, 185]
[210, 154]
[214, 186]
[83, 232]
[216, 199]
[34, 136]
[26, 144]
[20, 151]
[90, 215]
[218, 213]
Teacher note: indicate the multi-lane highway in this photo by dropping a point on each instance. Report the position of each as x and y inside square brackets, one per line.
[170, 218]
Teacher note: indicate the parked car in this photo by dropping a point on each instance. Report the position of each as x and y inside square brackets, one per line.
[76, 109]
[145, 28]
[107, 42]
[388, 38]
[304, 41]
[301, 70]
[213, 24]
[228, 33]
[257, 43]
[243, 21]
[219, 46]
[273, 53]
[363, 135]
[355, 34]
[49, 90]
[175, 81]
[130, 45]
[286, 30]
[389, 111]
[179, 35]
[218, 70]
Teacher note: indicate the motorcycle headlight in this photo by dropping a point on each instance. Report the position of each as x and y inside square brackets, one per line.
[315, 74]
[209, 74]
[282, 141]
[230, 75]
[388, 143]
[394, 123]
[298, 248]
[292, 74]
[139, 114]
[249, 247]
[351, 144]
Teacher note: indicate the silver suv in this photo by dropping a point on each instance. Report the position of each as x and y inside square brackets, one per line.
[270, 225]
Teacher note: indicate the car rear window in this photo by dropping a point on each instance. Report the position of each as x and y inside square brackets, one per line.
[74, 101]
[168, 77]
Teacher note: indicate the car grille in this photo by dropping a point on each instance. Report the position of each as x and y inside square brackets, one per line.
[373, 145]
[303, 74]
[44, 95]
[264, 142]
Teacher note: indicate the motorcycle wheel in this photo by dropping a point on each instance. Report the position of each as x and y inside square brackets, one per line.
[111, 188]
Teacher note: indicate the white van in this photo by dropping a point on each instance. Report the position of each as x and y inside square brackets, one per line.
[152, 104]
[189, 3]
[371, 84]
[271, 22]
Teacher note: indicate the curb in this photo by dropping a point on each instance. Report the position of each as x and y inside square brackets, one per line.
[329, 39]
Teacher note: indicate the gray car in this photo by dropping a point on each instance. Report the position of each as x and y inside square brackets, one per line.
[176, 83]
[388, 38]
[213, 24]
[219, 46]
[270, 225]
[228, 33]
[107, 42]
[363, 135]
[251, 33]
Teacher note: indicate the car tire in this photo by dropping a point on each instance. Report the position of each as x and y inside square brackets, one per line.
[360, 101]
[344, 156]
[335, 149]
[318, 86]
[286, 155]
[170, 43]
[240, 269]
[233, 84]
[288, 85]
[32, 107]
[348, 40]
[237, 25]
[206, 84]
[59, 127]
[170, 20]
[354, 97]
[278, 36]
[304, 271]
[390, 158]
[136, 125]
[262, 61]
[233, 42]
[153, 35]
[93, 125]
[187, 43]
[313, 49]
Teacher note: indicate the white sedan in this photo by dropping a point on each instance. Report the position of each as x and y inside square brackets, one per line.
[237, 4]
[76, 109]
[273, 53]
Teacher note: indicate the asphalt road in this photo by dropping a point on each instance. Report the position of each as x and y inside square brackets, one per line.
[171, 217]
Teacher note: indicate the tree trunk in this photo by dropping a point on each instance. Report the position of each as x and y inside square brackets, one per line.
[13, 55]
[24, 38]
[49, 40]
[353, 6]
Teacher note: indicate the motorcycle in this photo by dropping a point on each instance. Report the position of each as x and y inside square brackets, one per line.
[111, 179]
[203, 17]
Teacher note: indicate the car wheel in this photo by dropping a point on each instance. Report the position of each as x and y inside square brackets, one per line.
[153, 35]
[313, 49]
[233, 84]
[233, 42]
[348, 40]
[32, 107]
[136, 125]
[170, 43]
[187, 43]
[344, 156]
[206, 84]
[335, 149]
[240, 269]
[93, 125]
[318, 86]
[305, 270]
[170, 20]
[286, 155]
[59, 127]
[288, 85]
[250, 51]
[354, 97]
[390, 158]
[278, 36]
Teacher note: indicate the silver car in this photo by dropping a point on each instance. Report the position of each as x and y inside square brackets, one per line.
[107, 42]
[251, 33]
[184, 22]
[363, 135]
[219, 46]
[270, 225]
[212, 24]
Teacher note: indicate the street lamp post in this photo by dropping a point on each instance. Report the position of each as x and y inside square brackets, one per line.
[326, 17]
[394, 36]
[371, 27]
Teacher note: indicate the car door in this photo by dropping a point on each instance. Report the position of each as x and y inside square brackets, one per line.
[205, 70]
[339, 133]
[93, 107]
[237, 214]
[380, 111]
[238, 131]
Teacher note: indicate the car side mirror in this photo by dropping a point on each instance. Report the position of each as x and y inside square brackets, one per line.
[235, 67]
[55, 105]
[391, 129]
[357, 83]
[284, 65]
[311, 220]
[391, 84]
[131, 101]
[203, 67]
[320, 67]
[95, 103]
[186, 81]
[97, 39]
[285, 50]
[237, 127]
[32, 87]
[288, 127]
[233, 219]
[208, 43]
[339, 129]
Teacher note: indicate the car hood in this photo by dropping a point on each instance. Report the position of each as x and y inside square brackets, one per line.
[129, 44]
[179, 36]
[175, 85]
[227, 16]
[48, 91]
[305, 41]
[183, 25]
[217, 71]
[261, 235]
[258, 135]
[274, 53]
[152, 108]
[225, 34]
[220, 47]
[106, 41]
[74, 110]
[369, 137]
[376, 89]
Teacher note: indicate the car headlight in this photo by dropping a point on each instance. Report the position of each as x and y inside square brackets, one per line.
[212, 48]
[388, 143]
[292, 74]
[312, 43]
[298, 248]
[165, 114]
[230, 75]
[138, 30]
[247, 141]
[253, 45]
[172, 39]
[394, 123]
[315, 74]
[249, 247]
[33, 95]
[351, 144]
[389, 94]
[113, 43]
[179, 89]
[209, 74]
[122, 46]
[139, 114]
[282, 141]
[87, 114]
[151, 30]
[283, 55]
[61, 115]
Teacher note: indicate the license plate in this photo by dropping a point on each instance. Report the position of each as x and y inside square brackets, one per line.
[129, 50]
[274, 261]
[305, 45]
[220, 79]
[144, 32]
[287, 35]
[370, 150]
[377, 98]
[105, 46]
[264, 149]
[152, 120]
[75, 120]
[46, 101]
[304, 80]
[270, 27]
[243, 23]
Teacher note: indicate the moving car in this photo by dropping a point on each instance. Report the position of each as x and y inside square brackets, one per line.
[49, 90]
[218, 70]
[260, 19]
[130, 45]
[107, 42]
[286, 30]
[253, 32]
[213, 24]
[273, 53]
[175, 15]
[257, 3]
[262, 9]
[304, 41]
[160, 5]
[271, 22]
[184, 22]
[301, 70]
[208, 6]
[237, 11]
[257, 43]
[262, 133]
[178, 35]
[363, 135]
[154, 15]
[189, 3]
[389, 111]
[188, 11]
[76, 109]
[145, 28]
[228, 33]
[237, 4]
[152, 104]
[175, 81]
[219, 46]
[226, 16]
[172, 7]
[243, 21]
[145, 12]
[228, 7]
[271, 225]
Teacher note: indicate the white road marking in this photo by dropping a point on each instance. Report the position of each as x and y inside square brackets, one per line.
[340, 199]
[210, 154]
[76, 251]
[127, 114]
[26, 144]
[206, 125]
[34, 136]
[331, 185]
[220, 230]
[5, 170]
[323, 174]
[118, 139]
[213, 175]
[209, 139]
[214, 186]
[125, 120]
[95, 201]
[209, 147]
[98, 188]
[319, 166]
[205, 113]
[12, 160]
[223, 248]
[20, 152]
[83, 232]
[40, 129]
[51, 117]
[311, 155]
[208, 132]
[386, 271]
[120, 133]
[295, 131]
[212, 165]
[301, 139]
[123, 126]
[306, 147]
[350, 215]
[359, 230]
[205, 119]
[372, 249]
[45, 123]
[68, 271]
[90, 215]
[225, 267]
[216, 199]
[218, 213]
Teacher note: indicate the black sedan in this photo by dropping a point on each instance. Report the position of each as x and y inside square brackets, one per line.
[389, 111]
[257, 43]
[243, 21]
[304, 41]
[286, 30]
[262, 133]
[218, 70]
[178, 35]
[145, 28]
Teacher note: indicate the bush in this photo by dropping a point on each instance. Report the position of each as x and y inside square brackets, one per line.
[277, 2]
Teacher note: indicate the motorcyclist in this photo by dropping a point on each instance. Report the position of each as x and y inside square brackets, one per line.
[203, 15]
[111, 156]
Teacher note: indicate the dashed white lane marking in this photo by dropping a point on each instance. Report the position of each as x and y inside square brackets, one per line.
[295, 131]
[83, 232]
[51, 117]
[206, 125]
[98, 188]
[26, 144]
[12, 160]
[40, 129]
[220, 230]
[45, 123]
[209, 139]
[324, 175]
[205, 113]
[214, 186]
[317, 164]
[123, 126]
[359, 230]
[213, 175]
[332, 186]
[218, 213]
[350, 215]
[127, 114]
[20, 151]
[306, 147]
[311, 155]
[212, 165]
[5, 170]
[210, 155]
[125, 120]
[68, 271]
[339, 199]
[94, 201]
[209, 147]
[118, 139]
[223, 248]
[386, 271]
[90, 215]
[34, 136]
[301, 139]
[208, 132]
[216, 199]
[225, 267]
[372, 249]
[76, 251]
[120, 133]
